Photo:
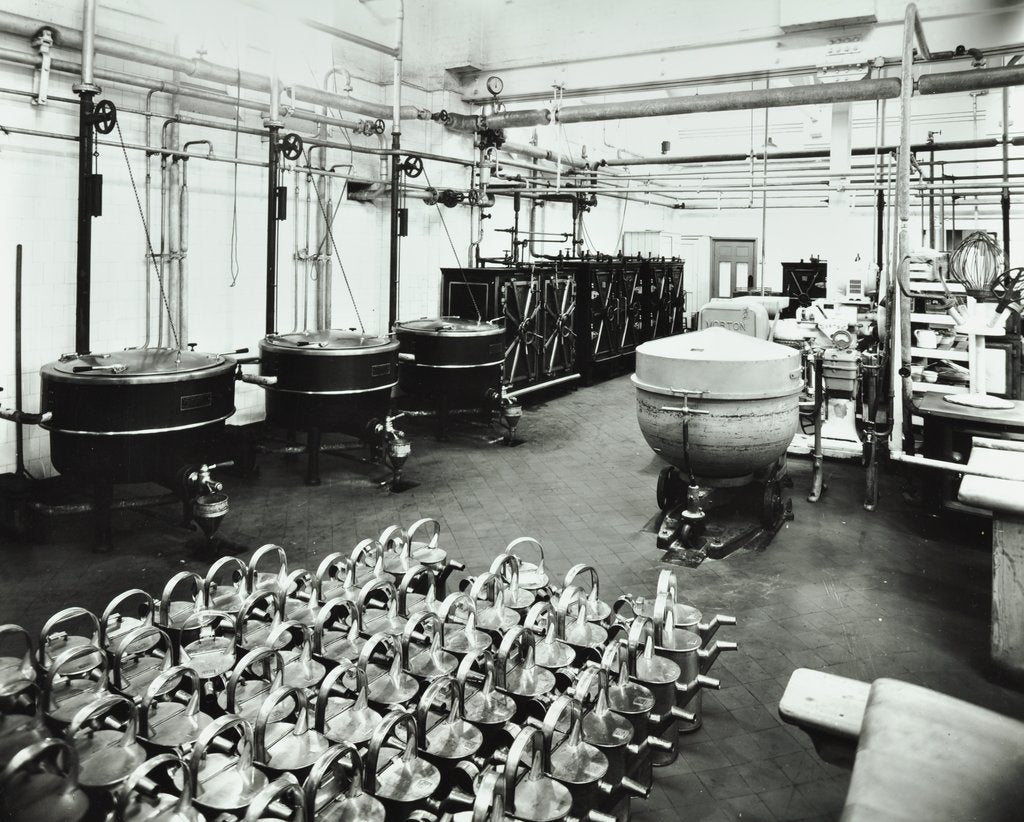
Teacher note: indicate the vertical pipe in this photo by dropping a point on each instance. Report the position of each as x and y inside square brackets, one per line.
[764, 197]
[942, 209]
[1005, 199]
[298, 263]
[86, 91]
[19, 441]
[931, 193]
[88, 41]
[147, 196]
[183, 255]
[910, 25]
[173, 282]
[83, 262]
[273, 125]
[880, 229]
[163, 338]
[396, 144]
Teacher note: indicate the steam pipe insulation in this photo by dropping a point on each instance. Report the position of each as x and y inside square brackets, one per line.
[951, 82]
[853, 91]
[27, 27]
[817, 94]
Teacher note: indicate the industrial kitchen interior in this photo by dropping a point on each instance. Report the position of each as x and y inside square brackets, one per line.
[479, 410]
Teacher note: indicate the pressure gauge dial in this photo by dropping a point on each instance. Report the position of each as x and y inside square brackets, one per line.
[494, 85]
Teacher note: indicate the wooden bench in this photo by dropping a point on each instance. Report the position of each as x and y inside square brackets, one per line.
[830, 709]
[920, 755]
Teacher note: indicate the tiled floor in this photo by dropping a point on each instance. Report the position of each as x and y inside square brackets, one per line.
[894, 593]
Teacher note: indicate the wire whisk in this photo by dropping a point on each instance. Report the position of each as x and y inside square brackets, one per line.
[976, 264]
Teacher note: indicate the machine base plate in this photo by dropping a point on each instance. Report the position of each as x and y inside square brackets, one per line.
[734, 518]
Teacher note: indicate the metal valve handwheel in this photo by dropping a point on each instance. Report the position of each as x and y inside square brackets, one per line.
[378, 126]
[104, 117]
[291, 146]
[412, 167]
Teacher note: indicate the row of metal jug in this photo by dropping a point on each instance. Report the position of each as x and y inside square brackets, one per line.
[386, 646]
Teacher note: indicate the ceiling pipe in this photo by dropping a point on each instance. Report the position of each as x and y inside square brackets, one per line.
[18, 24]
[817, 94]
[167, 87]
[525, 150]
[950, 82]
[809, 154]
[852, 91]
[348, 37]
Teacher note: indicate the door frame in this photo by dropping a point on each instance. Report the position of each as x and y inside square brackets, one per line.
[711, 261]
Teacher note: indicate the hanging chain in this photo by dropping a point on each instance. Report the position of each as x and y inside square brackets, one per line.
[149, 242]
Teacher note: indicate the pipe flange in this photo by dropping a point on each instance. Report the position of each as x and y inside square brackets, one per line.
[86, 88]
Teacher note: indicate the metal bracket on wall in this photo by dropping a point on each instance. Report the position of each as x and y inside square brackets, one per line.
[42, 43]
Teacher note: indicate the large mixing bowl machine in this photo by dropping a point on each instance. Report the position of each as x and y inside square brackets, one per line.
[721, 408]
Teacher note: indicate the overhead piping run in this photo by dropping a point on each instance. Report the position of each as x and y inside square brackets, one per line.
[818, 94]
[809, 154]
[167, 87]
[201, 69]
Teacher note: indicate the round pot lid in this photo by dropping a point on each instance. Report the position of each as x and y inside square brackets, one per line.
[718, 364]
[451, 327]
[138, 362]
[332, 340]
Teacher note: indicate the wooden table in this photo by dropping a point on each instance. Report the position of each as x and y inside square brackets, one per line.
[948, 429]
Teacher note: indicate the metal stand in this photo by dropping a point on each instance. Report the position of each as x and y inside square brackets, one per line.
[818, 486]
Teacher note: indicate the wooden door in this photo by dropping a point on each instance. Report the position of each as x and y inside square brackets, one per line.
[733, 265]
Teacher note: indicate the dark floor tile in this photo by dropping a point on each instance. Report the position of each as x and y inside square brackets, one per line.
[724, 783]
[787, 803]
[800, 766]
[764, 775]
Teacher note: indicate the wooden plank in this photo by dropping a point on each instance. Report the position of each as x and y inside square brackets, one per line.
[1008, 593]
[824, 703]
